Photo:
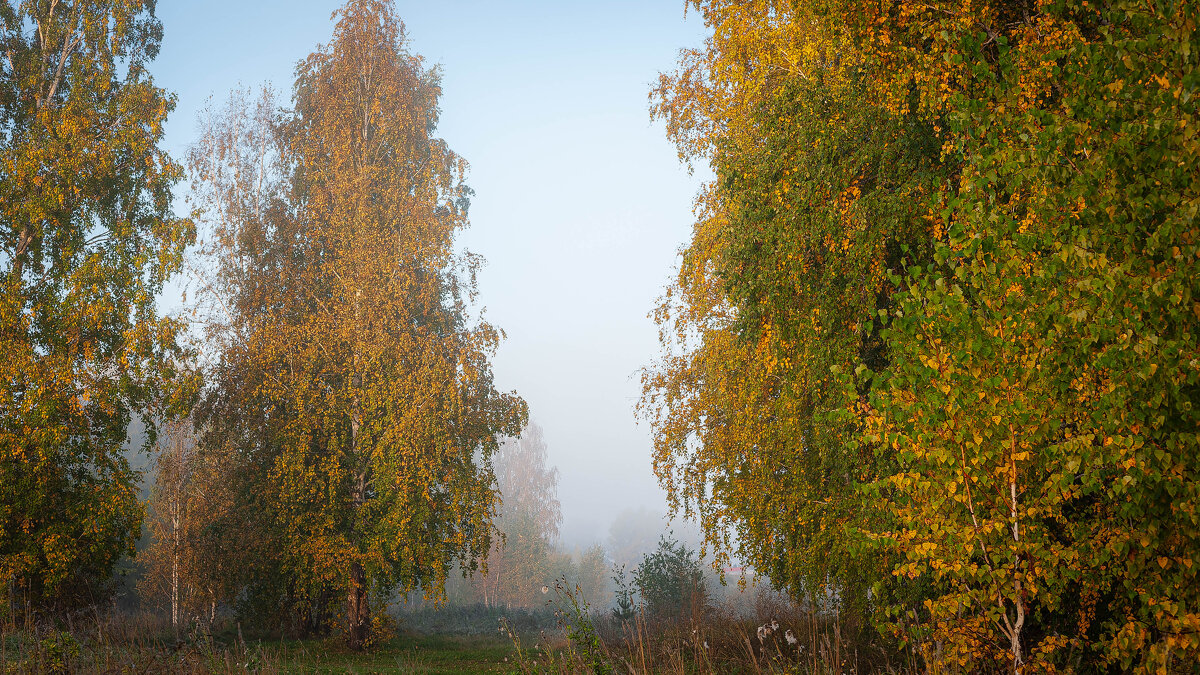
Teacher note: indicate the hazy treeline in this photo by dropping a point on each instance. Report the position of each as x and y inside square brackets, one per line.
[529, 557]
[933, 342]
[183, 562]
[530, 564]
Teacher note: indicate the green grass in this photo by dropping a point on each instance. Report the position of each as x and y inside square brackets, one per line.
[407, 654]
[53, 652]
[454, 640]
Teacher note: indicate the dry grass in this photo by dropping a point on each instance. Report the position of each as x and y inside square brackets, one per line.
[721, 639]
[124, 643]
[774, 636]
[143, 643]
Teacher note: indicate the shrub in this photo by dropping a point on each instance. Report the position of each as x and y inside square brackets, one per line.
[670, 582]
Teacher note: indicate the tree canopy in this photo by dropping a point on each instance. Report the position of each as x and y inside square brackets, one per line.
[934, 332]
[87, 239]
[354, 391]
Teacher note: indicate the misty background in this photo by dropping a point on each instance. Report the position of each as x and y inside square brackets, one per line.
[580, 201]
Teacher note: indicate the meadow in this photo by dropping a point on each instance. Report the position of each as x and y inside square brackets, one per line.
[770, 635]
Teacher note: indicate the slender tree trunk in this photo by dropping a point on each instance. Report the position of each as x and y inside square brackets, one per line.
[18, 258]
[175, 569]
[357, 610]
[12, 599]
[496, 583]
[1018, 660]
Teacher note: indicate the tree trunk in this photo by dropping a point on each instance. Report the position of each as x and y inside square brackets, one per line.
[357, 611]
[175, 568]
[1018, 658]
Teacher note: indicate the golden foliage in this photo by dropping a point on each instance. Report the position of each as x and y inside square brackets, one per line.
[990, 448]
[87, 239]
[349, 335]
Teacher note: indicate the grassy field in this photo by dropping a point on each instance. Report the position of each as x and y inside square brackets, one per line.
[449, 655]
[465, 640]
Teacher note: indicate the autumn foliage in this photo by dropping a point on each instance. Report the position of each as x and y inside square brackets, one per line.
[87, 239]
[353, 397]
[938, 318]
[930, 358]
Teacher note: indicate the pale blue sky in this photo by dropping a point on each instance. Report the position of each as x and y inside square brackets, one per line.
[580, 206]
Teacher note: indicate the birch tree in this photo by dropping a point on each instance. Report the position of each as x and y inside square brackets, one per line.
[529, 518]
[88, 236]
[1013, 186]
[188, 562]
[370, 413]
[819, 190]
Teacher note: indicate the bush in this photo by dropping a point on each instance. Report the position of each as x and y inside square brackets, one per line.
[670, 582]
